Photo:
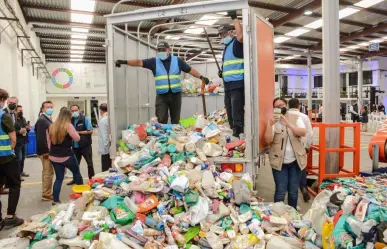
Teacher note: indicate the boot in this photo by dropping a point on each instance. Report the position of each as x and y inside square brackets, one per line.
[237, 131]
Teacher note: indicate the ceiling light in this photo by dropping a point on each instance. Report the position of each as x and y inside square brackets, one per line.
[363, 44]
[208, 20]
[352, 47]
[81, 30]
[78, 42]
[77, 52]
[81, 18]
[343, 49]
[79, 36]
[281, 39]
[221, 13]
[377, 41]
[84, 5]
[78, 47]
[76, 59]
[347, 12]
[194, 31]
[297, 32]
[367, 3]
[308, 12]
[169, 37]
[76, 56]
[315, 25]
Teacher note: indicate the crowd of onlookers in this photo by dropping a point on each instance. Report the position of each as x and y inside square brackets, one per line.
[60, 145]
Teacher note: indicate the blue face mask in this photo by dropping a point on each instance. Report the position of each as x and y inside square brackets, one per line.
[226, 40]
[75, 114]
[49, 111]
[162, 55]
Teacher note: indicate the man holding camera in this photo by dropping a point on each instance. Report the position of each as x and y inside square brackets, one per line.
[22, 129]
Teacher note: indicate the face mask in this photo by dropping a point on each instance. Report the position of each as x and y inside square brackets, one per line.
[226, 40]
[20, 114]
[75, 114]
[162, 55]
[49, 111]
[12, 106]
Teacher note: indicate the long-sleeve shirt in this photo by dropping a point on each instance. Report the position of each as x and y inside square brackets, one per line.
[351, 110]
[103, 135]
[308, 139]
[73, 134]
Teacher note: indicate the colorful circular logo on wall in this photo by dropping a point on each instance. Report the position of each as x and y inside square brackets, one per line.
[62, 78]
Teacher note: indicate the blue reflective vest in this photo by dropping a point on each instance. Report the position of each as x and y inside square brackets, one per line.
[233, 67]
[5, 141]
[165, 80]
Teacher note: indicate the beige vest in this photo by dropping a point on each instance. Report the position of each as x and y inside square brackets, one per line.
[277, 147]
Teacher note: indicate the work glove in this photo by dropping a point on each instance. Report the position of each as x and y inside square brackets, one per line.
[220, 74]
[204, 79]
[232, 14]
[121, 62]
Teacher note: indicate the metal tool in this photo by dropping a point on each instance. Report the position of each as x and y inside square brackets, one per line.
[212, 50]
[204, 104]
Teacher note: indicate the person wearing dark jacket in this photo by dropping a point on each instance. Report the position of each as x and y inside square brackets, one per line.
[41, 127]
[22, 129]
[82, 148]
[8, 165]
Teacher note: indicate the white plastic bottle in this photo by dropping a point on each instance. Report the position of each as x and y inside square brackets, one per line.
[131, 205]
[77, 241]
[256, 229]
[214, 240]
[69, 212]
[245, 217]
[46, 244]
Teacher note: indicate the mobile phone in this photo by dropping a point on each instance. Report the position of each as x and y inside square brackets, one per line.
[277, 113]
[28, 122]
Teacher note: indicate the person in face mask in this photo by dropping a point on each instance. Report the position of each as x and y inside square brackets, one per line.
[166, 69]
[11, 107]
[233, 73]
[22, 129]
[41, 127]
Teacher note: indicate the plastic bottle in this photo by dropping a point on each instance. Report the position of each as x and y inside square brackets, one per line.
[256, 229]
[355, 225]
[245, 217]
[151, 232]
[243, 228]
[171, 240]
[128, 242]
[131, 205]
[216, 229]
[178, 237]
[69, 212]
[276, 220]
[45, 244]
[244, 241]
[77, 241]
[150, 222]
[201, 155]
[230, 233]
[214, 240]
[207, 179]
[149, 204]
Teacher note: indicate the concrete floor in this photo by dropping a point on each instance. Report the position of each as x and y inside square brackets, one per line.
[30, 202]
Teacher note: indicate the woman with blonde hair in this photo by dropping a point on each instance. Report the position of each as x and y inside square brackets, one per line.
[60, 139]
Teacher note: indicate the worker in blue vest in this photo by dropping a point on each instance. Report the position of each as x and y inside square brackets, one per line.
[166, 69]
[233, 73]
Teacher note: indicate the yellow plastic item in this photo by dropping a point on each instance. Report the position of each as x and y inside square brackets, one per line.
[326, 235]
[81, 188]
[380, 245]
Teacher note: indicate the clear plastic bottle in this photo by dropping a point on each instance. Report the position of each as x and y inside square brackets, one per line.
[178, 237]
[244, 241]
[256, 229]
[214, 240]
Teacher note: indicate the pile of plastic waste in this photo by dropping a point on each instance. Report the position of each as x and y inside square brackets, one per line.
[192, 86]
[145, 146]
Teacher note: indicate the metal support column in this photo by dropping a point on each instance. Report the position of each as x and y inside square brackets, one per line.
[331, 79]
[309, 91]
[360, 84]
[347, 84]
[20, 36]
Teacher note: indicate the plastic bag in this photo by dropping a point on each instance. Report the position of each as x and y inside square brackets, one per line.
[180, 184]
[212, 150]
[191, 197]
[316, 214]
[122, 215]
[18, 243]
[201, 122]
[241, 191]
[199, 211]
[340, 238]
[112, 202]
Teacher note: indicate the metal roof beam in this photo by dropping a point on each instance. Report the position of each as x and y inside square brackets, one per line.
[69, 44]
[64, 32]
[355, 35]
[86, 50]
[62, 40]
[133, 3]
[375, 53]
[65, 36]
[371, 10]
[162, 21]
[299, 12]
[269, 6]
[75, 24]
[37, 7]
[84, 56]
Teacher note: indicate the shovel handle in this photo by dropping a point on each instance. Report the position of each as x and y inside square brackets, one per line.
[204, 102]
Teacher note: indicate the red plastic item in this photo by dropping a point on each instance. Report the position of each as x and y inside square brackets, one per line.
[75, 196]
[149, 204]
[212, 88]
[95, 180]
[166, 160]
[141, 132]
[141, 217]
[337, 217]
[234, 144]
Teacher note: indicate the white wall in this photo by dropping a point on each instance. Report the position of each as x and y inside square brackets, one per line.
[18, 80]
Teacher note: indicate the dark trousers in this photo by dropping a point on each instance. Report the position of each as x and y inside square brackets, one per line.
[355, 118]
[303, 181]
[87, 153]
[106, 162]
[20, 151]
[12, 175]
[169, 102]
[234, 100]
[287, 180]
[59, 168]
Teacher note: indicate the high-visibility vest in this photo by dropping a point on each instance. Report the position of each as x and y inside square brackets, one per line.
[5, 140]
[233, 67]
[164, 80]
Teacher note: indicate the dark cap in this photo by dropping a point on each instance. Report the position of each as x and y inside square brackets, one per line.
[225, 28]
[163, 45]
